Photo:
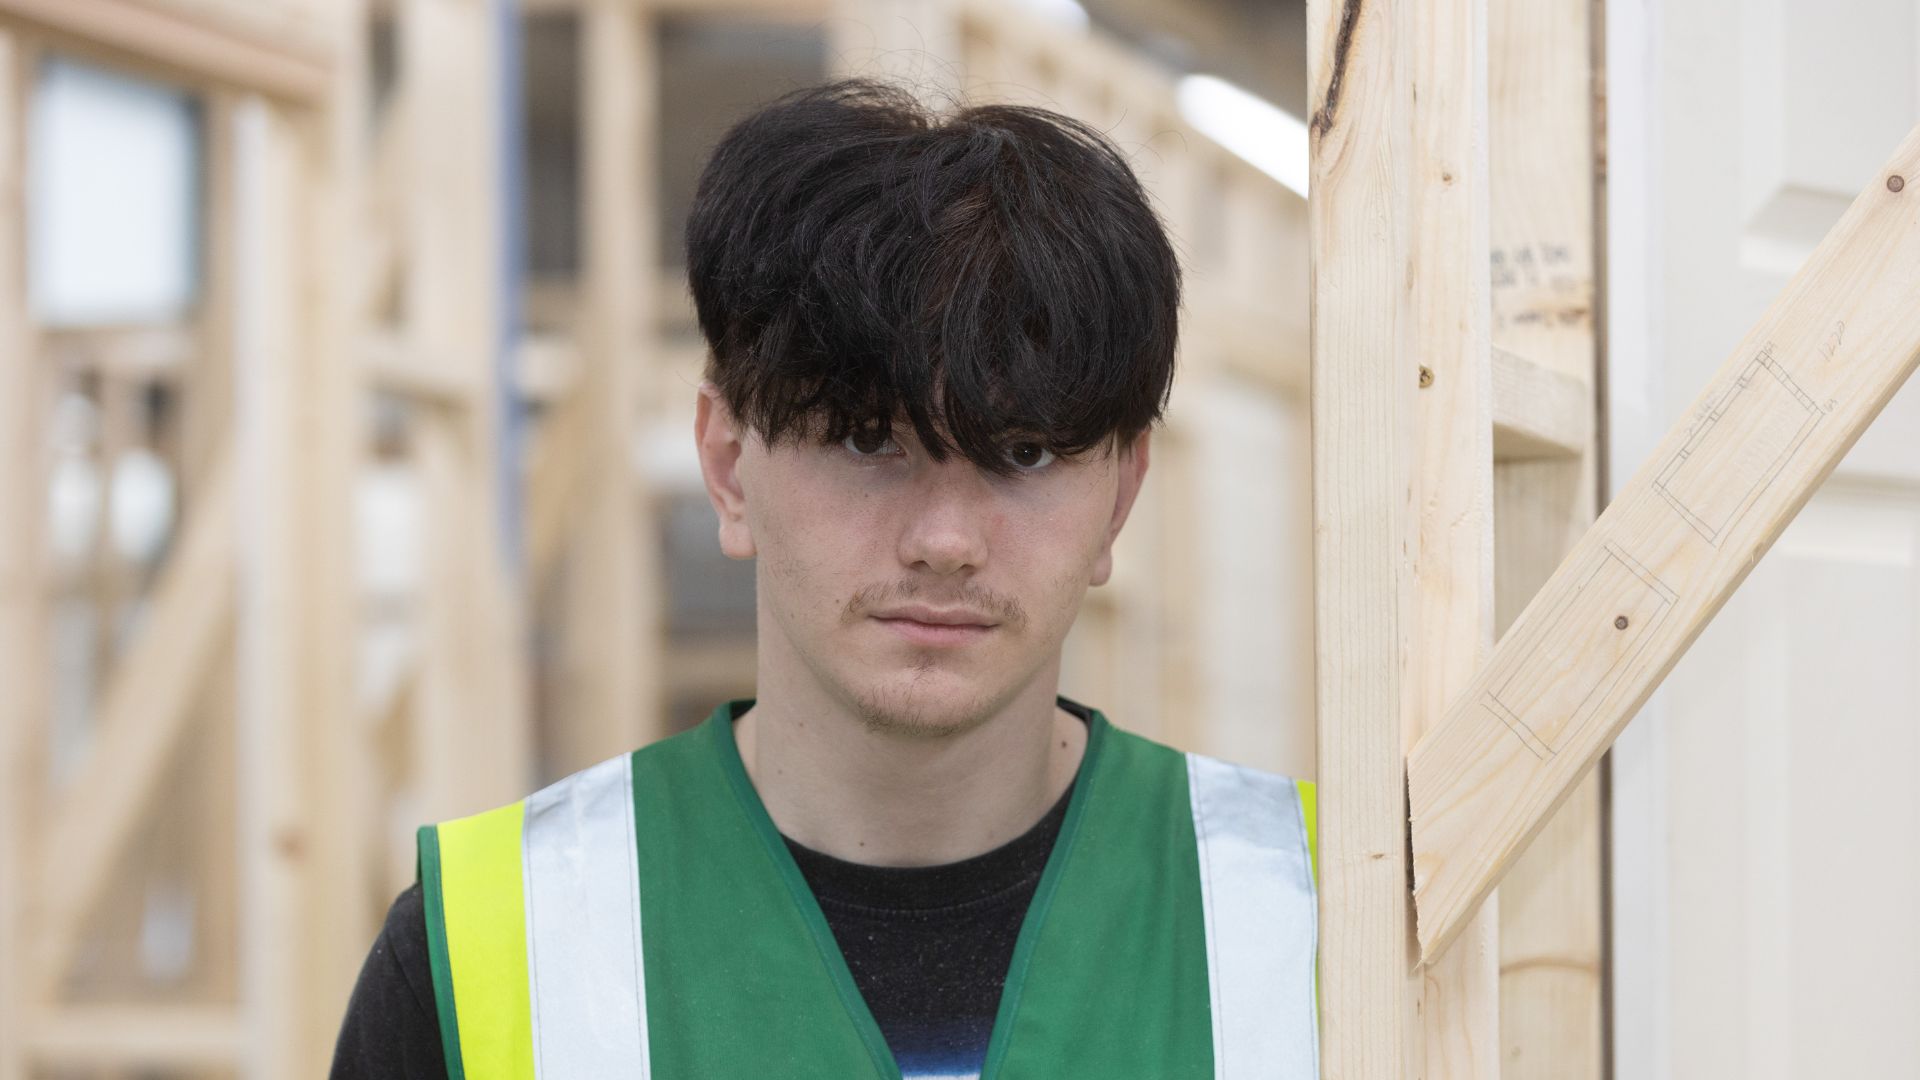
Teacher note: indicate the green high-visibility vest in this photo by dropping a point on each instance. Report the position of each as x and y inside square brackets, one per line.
[644, 918]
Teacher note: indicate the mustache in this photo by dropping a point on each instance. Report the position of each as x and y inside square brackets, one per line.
[875, 597]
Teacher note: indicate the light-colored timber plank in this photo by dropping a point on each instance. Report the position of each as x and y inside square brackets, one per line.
[1684, 532]
[200, 47]
[605, 698]
[1360, 243]
[1538, 412]
[24, 665]
[393, 366]
[1540, 140]
[1550, 902]
[1542, 75]
[141, 1036]
[472, 744]
[1452, 508]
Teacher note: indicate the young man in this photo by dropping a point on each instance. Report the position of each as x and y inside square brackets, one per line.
[937, 349]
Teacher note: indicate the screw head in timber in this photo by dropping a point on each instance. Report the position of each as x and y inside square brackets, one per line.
[1896, 182]
[1620, 623]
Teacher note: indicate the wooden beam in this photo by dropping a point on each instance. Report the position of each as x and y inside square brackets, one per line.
[200, 48]
[1538, 412]
[1452, 470]
[607, 643]
[135, 1036]
[473, 742]
[1541, 70]
[395, 367]
[556, 478]
[23, 638]
[1364, 380]
[1681, 536]
[1551, 950]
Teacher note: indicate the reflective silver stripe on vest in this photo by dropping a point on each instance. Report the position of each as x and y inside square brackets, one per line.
[584, 982]
[1256, 888]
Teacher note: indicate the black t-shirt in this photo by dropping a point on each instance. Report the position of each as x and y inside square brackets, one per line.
[928, 947]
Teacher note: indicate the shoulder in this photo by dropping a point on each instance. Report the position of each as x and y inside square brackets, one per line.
[390, 1028]
[605, 775]
[1222, 792]
[1137, 749]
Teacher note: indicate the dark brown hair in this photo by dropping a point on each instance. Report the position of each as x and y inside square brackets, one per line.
[1000, 272]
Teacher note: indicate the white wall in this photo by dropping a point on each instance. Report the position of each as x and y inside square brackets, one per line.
[1767, 829]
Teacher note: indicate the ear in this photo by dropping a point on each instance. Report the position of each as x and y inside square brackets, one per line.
[1132, 460]
[718, 441]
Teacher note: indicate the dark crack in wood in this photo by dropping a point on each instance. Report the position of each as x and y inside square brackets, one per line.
[1343, 44]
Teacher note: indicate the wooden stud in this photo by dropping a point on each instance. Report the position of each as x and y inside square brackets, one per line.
[1360, 248]
[606, 698]
[472, 741]
[206, 390]
[1550, 904]
[271, 786]
[23, 665]
[341, 910]
[1683, 533]
[1543, 168]
[1451, 517]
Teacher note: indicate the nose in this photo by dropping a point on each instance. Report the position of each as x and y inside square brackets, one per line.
[947, 517]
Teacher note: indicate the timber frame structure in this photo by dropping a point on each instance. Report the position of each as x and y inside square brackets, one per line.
[246, 770]
[1454, 369]
[228, 743]
[1442, 756]
[1454, 260]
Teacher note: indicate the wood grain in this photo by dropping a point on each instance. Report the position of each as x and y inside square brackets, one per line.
[1541, 70]
[1451, 510]
[1683, 533]
[1359, 247]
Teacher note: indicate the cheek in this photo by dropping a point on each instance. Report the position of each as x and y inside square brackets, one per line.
[813, 546]
[1057, 546]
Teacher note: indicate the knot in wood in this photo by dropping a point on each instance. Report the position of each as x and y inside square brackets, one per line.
[1426, 376]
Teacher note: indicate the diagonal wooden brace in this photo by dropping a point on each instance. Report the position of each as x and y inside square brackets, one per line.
[1641, 585]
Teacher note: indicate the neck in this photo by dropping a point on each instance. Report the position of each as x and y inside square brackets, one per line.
[883, 798]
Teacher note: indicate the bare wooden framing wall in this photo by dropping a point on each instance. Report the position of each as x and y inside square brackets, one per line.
[1454, 370]
[328, 246]
[1508, 763]
[65, 844]
[1542, 257]
[332, 271]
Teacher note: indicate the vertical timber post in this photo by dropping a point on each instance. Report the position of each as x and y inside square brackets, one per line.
[1402, 483]
[22, 643]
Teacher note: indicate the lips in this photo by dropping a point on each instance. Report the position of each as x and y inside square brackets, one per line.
[937, 616]
[922, 624]
[938, 634]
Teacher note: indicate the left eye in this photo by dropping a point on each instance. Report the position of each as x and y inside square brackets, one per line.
[1030, 457]
[868, 443]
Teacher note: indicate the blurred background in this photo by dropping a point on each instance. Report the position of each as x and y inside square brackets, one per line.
[347, 478]
[348, 382]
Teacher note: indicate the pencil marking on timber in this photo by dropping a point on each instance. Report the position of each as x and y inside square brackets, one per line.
[1604, 621]
[1831, 346]
[1342, 45]
[1724, 467]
